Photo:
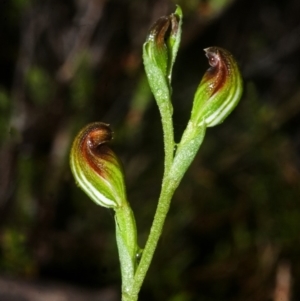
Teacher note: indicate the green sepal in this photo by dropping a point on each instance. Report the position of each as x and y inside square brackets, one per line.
[96, 168]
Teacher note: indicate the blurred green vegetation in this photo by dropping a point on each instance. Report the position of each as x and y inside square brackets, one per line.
[16, 259]
[5, 112]
[236, 216]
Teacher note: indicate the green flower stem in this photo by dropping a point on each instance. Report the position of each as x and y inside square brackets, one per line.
[187, 149]
[167, 192]
[168, 135]
[126, 236]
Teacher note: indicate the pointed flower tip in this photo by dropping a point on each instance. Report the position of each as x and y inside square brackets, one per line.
[96, 168]
[178, 11]
[220, 89]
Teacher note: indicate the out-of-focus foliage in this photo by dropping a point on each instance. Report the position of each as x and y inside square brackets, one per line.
[5, 111]
[15, 259]
[233, 229]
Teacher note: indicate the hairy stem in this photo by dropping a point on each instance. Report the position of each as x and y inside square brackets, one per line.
[171, 181]
[167, 192]
[127, 245]
[168, 134]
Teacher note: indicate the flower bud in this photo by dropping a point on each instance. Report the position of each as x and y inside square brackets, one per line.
[162, 44]
[96, 168]
[159, 53]
[220, 88]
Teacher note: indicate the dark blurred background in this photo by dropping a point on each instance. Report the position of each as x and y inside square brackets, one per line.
[233, 232]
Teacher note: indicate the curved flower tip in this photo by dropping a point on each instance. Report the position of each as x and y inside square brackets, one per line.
[96, 168]
[220, 88]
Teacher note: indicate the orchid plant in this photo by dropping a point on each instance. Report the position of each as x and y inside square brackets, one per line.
[97, 169]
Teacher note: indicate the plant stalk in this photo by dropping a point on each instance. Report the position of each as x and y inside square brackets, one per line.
[171, 180]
